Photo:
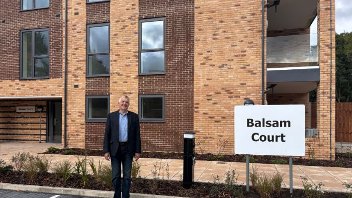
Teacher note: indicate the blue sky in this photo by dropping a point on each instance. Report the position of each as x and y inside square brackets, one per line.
[343, 16]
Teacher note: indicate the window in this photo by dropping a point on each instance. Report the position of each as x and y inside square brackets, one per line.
[93, 1]
[35, 54]
[34, 4]
[151, 107]
[98, 49]
[152, 46]
[97, 108]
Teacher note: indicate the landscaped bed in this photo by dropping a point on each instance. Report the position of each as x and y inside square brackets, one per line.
[33, 170]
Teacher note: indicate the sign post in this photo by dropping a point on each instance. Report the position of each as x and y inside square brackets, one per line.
[270, 130]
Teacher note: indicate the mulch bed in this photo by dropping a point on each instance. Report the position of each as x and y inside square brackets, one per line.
[146, 186]
[342, 160]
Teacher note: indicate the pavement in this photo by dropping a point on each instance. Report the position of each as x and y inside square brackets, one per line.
[332, 178]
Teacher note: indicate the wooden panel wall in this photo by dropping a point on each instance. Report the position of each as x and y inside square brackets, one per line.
[344, 122]
[22, 125]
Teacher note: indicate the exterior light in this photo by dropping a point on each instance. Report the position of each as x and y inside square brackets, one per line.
[248, 101]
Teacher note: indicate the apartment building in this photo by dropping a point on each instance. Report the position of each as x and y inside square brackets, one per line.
[185, 64]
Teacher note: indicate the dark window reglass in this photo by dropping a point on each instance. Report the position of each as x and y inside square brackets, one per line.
[98, 50]
[152, 55]
[97, 108]
[152, 107]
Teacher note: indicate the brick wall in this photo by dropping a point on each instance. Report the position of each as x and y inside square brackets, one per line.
[96, 86]
[296, 98]
[177, 82]
[325, 119]
[227, 68]
[76, 77]
[13, 20]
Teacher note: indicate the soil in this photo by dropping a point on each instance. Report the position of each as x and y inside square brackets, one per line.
[341, 159]
[145, 186]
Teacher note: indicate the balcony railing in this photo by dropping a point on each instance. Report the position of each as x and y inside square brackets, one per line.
[292, 50]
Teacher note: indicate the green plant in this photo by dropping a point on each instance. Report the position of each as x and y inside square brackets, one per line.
[30, 168]
[349, 189]
[231, 184]
[81, 169]
[19, 160]
[278, 161]
[312, 190]
[42, 164]
[53, 150]
[5, 168]
[68, 152]
[105, 175]
[63, 170]
[264, 185]
[135, 169]
[215, 188]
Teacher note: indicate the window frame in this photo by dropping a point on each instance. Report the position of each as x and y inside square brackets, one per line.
[87, 109]
[140, 50]
[34, 8]
[99, 53]
[33, 31]
[95, 1]
[140, 110]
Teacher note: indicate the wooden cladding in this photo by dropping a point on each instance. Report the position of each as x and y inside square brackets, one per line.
[22, 126]
[343, 122]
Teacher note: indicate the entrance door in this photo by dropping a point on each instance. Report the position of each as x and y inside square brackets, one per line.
[54, 122]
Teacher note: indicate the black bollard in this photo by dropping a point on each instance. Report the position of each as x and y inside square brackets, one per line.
[188, 159]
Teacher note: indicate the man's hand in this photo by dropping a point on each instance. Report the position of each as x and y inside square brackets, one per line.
[137, 156]
[107, 156]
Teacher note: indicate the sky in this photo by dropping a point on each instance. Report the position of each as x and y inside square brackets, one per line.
[343, 12]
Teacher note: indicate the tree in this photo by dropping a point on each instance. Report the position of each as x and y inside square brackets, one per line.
[344, 67]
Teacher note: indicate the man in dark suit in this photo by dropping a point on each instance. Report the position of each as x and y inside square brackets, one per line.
[122, 142]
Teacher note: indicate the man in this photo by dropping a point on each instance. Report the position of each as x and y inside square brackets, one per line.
[121, 142]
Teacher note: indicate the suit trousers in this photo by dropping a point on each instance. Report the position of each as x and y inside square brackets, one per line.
[124, 158]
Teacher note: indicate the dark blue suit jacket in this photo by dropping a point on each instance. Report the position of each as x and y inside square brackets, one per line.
[111, 137]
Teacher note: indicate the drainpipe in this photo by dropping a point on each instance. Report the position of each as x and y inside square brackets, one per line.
[65, 83]
[263, 45]
[330, 79]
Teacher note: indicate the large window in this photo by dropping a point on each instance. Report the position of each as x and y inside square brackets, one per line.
[98, 49]
[34, 4]
[151, 107]
[97, 108]
[152, 46]
[35, 54]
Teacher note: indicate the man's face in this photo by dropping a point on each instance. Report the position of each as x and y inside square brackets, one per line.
[124, 104]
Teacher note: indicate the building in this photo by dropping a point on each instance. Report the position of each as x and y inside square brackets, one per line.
[185, 64]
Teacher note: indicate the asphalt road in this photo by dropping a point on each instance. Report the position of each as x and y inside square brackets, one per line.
[19, 194]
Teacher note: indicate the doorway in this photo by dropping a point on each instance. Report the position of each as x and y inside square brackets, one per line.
[54, 122]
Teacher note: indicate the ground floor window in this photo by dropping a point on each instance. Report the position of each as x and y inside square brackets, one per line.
[151, 108]
[97, 108]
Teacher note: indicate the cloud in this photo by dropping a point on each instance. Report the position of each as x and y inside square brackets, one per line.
[343, 9]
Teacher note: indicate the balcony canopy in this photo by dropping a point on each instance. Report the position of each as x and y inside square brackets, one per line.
[291, 15]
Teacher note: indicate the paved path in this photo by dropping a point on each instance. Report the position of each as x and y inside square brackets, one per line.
[332, 178]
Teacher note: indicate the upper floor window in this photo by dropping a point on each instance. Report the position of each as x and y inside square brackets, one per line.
[34, 4]
[35, 53]
[97, 108]
[98, 50]
[93, 1]
[152, 46]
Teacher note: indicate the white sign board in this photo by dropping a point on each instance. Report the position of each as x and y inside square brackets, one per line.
[270, 130]
[26, 109]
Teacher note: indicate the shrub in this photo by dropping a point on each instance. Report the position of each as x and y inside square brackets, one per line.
[266, 186]
[231, 184]
[312, 190]
[81, 169]
[5, 168]
[42, 164]
[63, 170]
[135, 169]
[19, 160]
[53, 150]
